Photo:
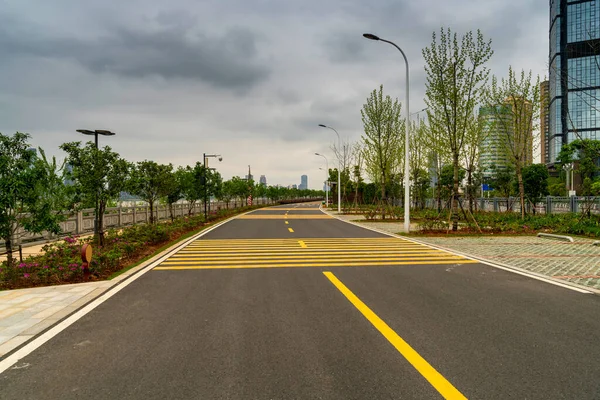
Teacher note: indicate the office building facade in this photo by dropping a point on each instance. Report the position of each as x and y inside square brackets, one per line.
[574, 84]
[501, 132]
[303, 182]
[263, 180]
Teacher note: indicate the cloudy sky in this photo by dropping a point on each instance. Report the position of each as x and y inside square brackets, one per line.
[249, 79]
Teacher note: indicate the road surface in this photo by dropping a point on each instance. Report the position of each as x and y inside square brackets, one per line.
[288, 303]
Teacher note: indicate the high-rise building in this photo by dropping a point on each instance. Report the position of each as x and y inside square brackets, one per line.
[544, 119]
[574, 92]
[303, 182]
[263, 180]
[500, 133]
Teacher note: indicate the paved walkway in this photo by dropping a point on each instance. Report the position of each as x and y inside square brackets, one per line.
[577, 262]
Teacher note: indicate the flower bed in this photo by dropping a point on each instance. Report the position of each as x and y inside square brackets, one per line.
[61, 263]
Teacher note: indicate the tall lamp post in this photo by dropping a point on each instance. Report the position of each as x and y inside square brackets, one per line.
[205, 158]
[339, 185]
[326, 178]
[406, 136]
[95, 133]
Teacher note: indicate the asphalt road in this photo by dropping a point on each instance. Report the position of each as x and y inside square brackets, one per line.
[319, 309]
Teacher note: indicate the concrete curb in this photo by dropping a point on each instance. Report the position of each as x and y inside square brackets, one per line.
[495, 264]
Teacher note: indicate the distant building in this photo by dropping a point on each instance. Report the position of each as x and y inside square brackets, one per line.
[68, 175]
[249, 177]
[498, 122]
[263, 180]
[544, 121]
[293, 187]
[303, 182]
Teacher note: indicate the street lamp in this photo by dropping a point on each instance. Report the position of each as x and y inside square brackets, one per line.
[326, 178]
[205, 158]
[95, 133]
[339, 185]
[406, 136]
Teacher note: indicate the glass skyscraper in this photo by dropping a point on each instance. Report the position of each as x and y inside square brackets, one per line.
[574, 98]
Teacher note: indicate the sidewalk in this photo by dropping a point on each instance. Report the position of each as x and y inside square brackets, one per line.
[577, 262]
[24, 313]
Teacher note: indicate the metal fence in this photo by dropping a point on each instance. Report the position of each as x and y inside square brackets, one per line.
[550, 204]
[82, 222]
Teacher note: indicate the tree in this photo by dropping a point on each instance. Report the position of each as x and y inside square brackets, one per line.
[535, 182]
[585, 152]
[26, 195]
[474, 140]
[418, 161]
[172, 191]
[502, 181]
[150, 181]
[456, 76]
[447, 181]
[98, 174]
[516, 107]
[190, 182]
[384, 130]
[227, 192]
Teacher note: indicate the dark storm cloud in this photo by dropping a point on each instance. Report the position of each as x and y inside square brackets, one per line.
[344, 47]
[230, 60]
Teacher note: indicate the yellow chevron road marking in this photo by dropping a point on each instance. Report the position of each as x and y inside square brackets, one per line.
[268, 259]
[283, 216]
[315, 252]
[304, 265]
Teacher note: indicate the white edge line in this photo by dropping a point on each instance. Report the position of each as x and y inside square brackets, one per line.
[56, 329]
[491, 264]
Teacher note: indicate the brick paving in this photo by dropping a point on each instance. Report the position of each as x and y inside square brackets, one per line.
[577, 262]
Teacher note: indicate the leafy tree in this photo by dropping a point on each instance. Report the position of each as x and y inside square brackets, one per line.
[556, 187]
[26, 195]
[586, 153]
[98, 174]
[456, 77]
[447, 180]
[51, 188]
[515, 103]
[150, 181]
[190, 183]
[172, 191]
[384, 131]
[535, 182]
[227, 192]
[502, 181]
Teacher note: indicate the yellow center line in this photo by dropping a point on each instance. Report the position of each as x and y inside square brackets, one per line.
[302, 244]
[436, 379]
[291, 230]
[287, 223]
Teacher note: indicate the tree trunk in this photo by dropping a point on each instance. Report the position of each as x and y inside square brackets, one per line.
[101, 208]
[470, 186]
[9, 251]
[521, 190]
[151, 212]
[454, 205]
[439, 193]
